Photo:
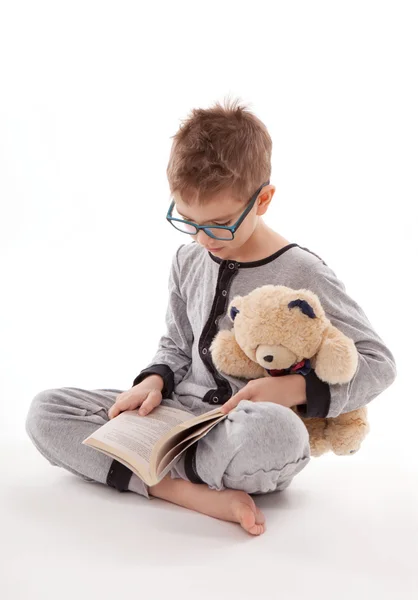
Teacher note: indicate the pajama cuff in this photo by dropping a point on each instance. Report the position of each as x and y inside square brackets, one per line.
[158, 369]
[318, 397]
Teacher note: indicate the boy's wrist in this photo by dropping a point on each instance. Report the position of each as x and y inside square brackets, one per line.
[296, 389]
[155, 379]
[163, 371]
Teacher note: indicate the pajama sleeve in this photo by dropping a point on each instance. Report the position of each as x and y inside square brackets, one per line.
[174, 353]
[376, 369]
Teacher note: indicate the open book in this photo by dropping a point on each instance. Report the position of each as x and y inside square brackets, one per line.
[150, 445]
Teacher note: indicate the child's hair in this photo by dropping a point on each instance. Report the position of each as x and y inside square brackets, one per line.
[219, 148]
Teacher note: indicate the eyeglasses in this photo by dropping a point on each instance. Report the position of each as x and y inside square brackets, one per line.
[227, 232]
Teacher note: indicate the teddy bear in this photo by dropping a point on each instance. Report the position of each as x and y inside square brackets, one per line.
[277, 331]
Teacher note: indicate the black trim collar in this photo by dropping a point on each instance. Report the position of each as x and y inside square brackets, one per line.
[255, 263]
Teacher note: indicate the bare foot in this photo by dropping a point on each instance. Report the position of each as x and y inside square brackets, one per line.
[227, 505]
[244, 511]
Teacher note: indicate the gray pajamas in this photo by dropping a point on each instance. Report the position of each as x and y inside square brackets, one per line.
[260, 446]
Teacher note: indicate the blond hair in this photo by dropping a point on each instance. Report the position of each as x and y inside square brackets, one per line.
[219, 148]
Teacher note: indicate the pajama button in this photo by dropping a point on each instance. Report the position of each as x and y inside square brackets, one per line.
[224, 292]
[215, 399]
[204, 351]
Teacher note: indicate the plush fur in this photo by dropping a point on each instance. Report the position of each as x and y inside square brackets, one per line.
[289, 326]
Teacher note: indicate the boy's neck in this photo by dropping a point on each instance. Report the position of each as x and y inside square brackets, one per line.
[263, 243]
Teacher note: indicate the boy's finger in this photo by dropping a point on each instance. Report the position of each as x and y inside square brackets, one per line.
[113, 411]
[232, 403]
[227, 407]
[145, 409]
[121, 403]
[151, 401]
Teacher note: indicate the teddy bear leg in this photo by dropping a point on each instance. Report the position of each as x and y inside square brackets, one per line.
[318, 442]
[346, 432]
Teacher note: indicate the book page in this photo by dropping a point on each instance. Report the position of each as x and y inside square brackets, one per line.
[134, 436]
[177, 439]
[173, 455]
[171, 438]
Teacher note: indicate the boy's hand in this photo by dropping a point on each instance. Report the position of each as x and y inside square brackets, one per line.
[288, 390]
[146, 394]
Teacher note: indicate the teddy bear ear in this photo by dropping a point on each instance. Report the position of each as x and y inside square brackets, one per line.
[233, 312]
[234, 307]
[304, 306]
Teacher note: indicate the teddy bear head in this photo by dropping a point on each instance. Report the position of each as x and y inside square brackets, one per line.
[277, 326]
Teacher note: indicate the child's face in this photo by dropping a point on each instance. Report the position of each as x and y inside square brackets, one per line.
[221, 209]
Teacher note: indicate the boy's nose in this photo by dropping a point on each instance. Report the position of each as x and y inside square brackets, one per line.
[204, 239]
[202, 235]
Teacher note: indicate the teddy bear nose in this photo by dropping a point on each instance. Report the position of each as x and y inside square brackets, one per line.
[268, 358]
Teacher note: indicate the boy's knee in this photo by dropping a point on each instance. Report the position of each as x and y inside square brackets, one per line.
[273, 435]
[272, 447]
[36, 415]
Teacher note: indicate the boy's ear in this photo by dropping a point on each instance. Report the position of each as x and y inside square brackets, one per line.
[234, 307]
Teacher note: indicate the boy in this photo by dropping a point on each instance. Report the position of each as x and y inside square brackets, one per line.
[219, 177]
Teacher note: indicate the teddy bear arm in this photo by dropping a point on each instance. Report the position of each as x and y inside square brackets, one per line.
[337, 358]
[228, 357]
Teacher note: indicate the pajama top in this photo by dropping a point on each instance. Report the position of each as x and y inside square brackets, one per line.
[200, 288]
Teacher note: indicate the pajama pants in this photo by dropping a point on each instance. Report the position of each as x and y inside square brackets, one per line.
[258, 448]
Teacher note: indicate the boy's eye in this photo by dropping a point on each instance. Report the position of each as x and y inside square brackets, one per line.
[223, 224]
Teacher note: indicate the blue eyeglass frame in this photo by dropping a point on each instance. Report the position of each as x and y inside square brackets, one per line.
[232, 228]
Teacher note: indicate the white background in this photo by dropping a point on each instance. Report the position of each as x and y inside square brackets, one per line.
[90, 95]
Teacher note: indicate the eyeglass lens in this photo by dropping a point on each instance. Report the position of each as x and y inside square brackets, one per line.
[218, 233]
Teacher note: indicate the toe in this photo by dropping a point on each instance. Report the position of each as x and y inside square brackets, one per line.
[252, 519]
[259, 524]
[259, 517]
[247, 517]
[257, 529]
